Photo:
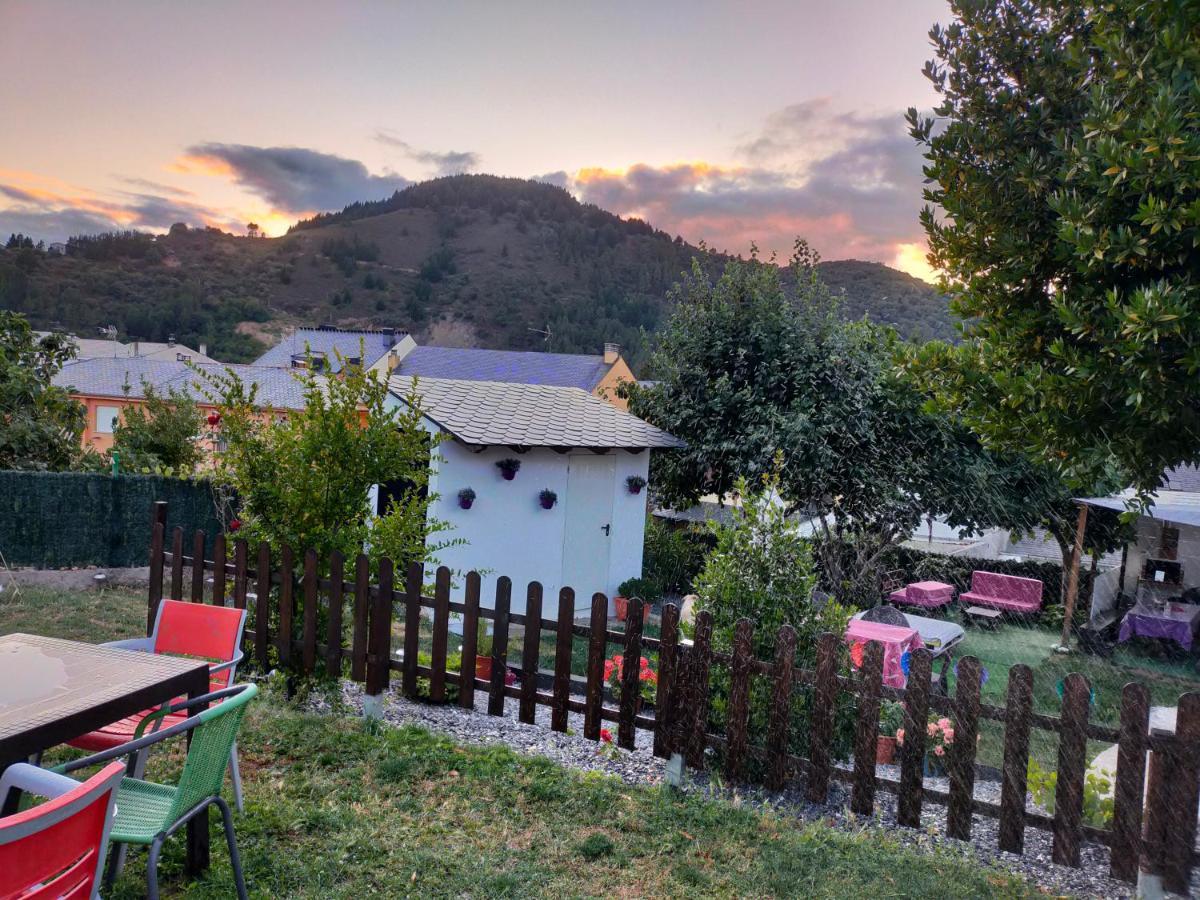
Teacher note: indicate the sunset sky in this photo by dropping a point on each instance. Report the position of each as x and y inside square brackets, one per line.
[724, 122]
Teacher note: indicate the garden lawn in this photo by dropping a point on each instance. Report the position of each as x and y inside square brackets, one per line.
[337, 808]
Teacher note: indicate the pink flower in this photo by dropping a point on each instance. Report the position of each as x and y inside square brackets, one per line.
[931, 729]
[943, 724]
[900, 736]
[608, 669]
[948, 734]
[940, 751]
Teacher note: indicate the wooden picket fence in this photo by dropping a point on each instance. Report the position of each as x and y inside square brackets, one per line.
[1157, 830]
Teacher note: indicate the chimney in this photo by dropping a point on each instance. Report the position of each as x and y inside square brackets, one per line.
[612, 352]
[204, 349]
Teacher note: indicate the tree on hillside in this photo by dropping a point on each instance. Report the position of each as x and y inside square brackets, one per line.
[40, 425]
[751, 368]
[304, 479]
[1065, 213]
[159, 435]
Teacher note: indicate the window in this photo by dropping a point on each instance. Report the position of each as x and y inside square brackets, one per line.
[106, 419]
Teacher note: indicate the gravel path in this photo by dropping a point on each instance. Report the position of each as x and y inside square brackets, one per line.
[571, 749]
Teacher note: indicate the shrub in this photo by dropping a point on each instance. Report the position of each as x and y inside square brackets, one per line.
[674, 556]
[1097, 794]
[643, 588]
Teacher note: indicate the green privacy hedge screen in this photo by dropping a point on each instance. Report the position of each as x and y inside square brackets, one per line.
[55, 520]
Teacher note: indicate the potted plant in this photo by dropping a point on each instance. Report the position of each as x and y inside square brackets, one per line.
[891, 723]
[466, 497]
[939, 734]
[547, 498]
[635, 483]
[483, 652]
[647, 679]
[508, 468]
[635, 587]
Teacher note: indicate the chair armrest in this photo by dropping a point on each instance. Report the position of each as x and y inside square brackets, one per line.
[145, 645]
[35, 780]
[221, 667]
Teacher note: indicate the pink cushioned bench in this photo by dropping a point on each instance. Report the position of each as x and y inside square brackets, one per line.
[1009, 593]
[930, 594]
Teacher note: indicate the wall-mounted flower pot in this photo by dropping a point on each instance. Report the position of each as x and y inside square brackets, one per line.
[508, 468]
[546, 504]
[465, 498]
[465, 504]
[635, 483]
[547, 498]
[508, 474]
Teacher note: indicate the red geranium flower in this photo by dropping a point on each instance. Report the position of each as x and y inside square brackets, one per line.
[606, 735]
[235, 524]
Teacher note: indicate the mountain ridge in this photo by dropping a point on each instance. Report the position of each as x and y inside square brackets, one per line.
[469, 260]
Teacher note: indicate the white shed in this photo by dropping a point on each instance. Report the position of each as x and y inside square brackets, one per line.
[567, 441]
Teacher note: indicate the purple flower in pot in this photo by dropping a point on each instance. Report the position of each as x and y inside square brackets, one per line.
[466, 497]
[508, 468]
[635, 483]
[547, 498]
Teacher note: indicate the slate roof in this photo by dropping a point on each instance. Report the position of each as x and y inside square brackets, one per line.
[332, 342]
[96, 348]
[492, 413]
[514, 366]
[1182, 478]
[108, 377]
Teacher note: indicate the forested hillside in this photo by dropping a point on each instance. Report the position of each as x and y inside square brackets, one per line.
[465, 260]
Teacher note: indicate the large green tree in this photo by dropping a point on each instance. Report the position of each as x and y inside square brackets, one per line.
[1064, 161]
[159, 435]
[759, 374]
[40, 425]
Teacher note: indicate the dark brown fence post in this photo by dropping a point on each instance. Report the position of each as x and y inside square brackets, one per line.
[781, 708]
[866, 732]
[738, 728]
[961, 754]
[1129, 789]
[500, 646]
[470, 645]
[218, 570]
[441, 635]
[198, 539]
[564, 643]
[1017, 711]
[1155, 838]
[240, 573]
[362, 612]
[262, 607]
[1185, 796]
[912, 750]
[311, 594]
[825, 695]
[154, 598]
[379, 629]
[333, 633]
[177, 563]
[1072, 767]
[631, 686]
[696, 702]
[529, 653]
[597, 649]
[412, 628]
[665, 699]
[287, 604]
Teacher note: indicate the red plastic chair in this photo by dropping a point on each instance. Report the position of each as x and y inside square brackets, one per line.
[181, 629]
[56, 849]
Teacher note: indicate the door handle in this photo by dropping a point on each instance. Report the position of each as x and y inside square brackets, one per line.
[607, 529]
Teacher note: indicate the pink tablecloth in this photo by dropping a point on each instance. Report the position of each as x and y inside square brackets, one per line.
[896, 642]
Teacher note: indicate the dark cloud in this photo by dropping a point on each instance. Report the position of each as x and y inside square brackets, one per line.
[849, 183]
[53, 224]
[451, 162]
[560, 178]
[294, 179]
[155, 187]
[16, 193]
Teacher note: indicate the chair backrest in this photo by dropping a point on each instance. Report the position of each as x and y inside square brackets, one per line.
[1012, 587]
[56, 849]
[193, 629]
[208, 755]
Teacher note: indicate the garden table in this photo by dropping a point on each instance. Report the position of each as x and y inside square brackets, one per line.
[939, 637]
[53, 690]
[896, 642]
[1176, 622]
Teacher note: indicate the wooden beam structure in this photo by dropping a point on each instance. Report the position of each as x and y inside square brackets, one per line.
[1073, 576]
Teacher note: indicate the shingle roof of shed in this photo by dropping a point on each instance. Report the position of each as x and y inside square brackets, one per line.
[529, 415]
[516, 366]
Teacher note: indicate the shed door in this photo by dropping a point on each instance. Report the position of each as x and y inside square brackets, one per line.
[587, 533]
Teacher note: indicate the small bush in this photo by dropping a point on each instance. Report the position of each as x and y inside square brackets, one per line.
[595, 846]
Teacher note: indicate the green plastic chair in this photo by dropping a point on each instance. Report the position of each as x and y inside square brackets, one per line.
[148, 813]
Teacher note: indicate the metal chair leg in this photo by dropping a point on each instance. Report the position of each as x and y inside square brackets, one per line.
[234, 859]
[235, 775]
[152, 869]
[114, 865]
